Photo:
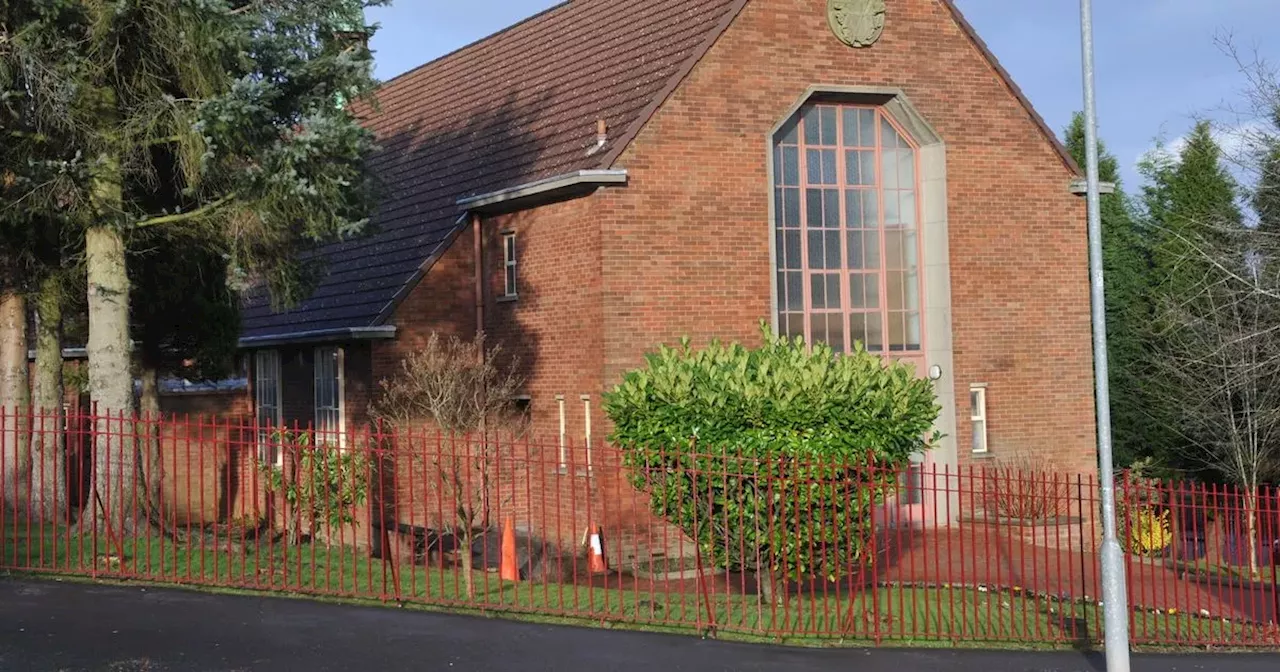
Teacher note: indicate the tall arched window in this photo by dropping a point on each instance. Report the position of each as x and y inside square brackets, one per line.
[846, 222]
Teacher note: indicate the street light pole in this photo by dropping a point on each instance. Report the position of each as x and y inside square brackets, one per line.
[1114, 592]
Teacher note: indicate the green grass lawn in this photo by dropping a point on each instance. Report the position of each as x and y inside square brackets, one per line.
[1266, 573]
[948, 616]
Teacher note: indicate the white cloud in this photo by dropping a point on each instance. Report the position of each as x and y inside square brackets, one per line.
[1237, 141]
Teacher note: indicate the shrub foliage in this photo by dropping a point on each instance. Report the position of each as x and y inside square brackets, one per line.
[762, 455]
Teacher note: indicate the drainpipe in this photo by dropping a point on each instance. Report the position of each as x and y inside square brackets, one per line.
[479, 264]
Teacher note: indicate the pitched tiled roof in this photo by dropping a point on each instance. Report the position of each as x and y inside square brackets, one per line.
[518, 106]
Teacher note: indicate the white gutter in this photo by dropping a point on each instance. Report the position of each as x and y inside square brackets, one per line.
[581, 178]
[341, 334]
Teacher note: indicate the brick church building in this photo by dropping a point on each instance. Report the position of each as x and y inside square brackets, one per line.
[608, 176]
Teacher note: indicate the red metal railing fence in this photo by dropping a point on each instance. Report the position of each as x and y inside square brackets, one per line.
[986, 556]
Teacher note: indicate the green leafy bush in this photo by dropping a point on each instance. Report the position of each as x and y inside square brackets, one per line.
[761, 455]
[325, 485]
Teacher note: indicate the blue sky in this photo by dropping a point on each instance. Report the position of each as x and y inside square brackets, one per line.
[1159, 64]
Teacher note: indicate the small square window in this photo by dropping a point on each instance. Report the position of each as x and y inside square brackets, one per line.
[509, 265]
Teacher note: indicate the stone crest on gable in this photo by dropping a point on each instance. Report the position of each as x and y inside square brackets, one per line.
[858, 23]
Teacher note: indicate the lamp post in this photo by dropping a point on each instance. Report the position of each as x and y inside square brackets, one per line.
[1114, 592]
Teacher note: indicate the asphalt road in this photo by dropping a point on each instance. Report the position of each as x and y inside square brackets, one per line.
[56, 627]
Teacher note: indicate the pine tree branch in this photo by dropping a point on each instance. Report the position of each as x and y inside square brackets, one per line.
[184, 216]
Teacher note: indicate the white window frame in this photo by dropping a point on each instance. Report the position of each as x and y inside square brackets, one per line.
[263, 360]
[978, 417]
[510, 274]
[323, 436]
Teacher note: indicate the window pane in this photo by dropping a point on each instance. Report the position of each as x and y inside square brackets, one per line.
[791, 166]
[851, 124]
[892, 214]
[835, 332]
[873, 291]
[871, 209]
[857, 293]
[852, 168]
[853, 209]
[818, 328]
[893, 281]
[817, 256]
[875, 335]
[973, 404]
[795, 291]
[913, 331]
[897, 330]
[868, 169]
[858, 328]
[912, 282]
[867, 120]
[910, 250]
[829, 175]
[813, 208]
[791, 207]
[889, 170]
[831, 208]
[855, 249]
[833, 291]
[791, 249]
[907, 169]
[979, 437]
[813, 165]
[818, 292]
[871, 246]
[828, 114]
[888, 135]
[893, 250]
[812, 128]
[832, 245]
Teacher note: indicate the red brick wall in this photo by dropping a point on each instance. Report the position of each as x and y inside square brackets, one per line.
[553, 328]
[444, 301]
[686, 244]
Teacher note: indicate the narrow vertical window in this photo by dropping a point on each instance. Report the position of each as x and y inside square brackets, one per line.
[509, 265]
[266, 400]
[329, 423]
[978, 417]
[845, 231]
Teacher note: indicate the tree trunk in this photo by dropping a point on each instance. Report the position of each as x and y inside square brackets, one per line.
[15, 400]
[48, 448]
[1251, 528]
[152, 467]
[111, 382]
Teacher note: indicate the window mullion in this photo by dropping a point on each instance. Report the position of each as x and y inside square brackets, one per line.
[806, 274]
[846, 295]
[882, 234]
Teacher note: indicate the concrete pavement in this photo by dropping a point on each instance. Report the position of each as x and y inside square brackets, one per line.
[73, 627]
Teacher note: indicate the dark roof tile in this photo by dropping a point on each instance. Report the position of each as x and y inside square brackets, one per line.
[518, 106]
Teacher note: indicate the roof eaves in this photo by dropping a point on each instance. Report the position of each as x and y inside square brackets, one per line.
[1004, 75]
[320, 336]
[642, 120]
[515, 197]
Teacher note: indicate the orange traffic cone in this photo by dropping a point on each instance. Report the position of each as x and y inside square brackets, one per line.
[508, 570]
[596, 563]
